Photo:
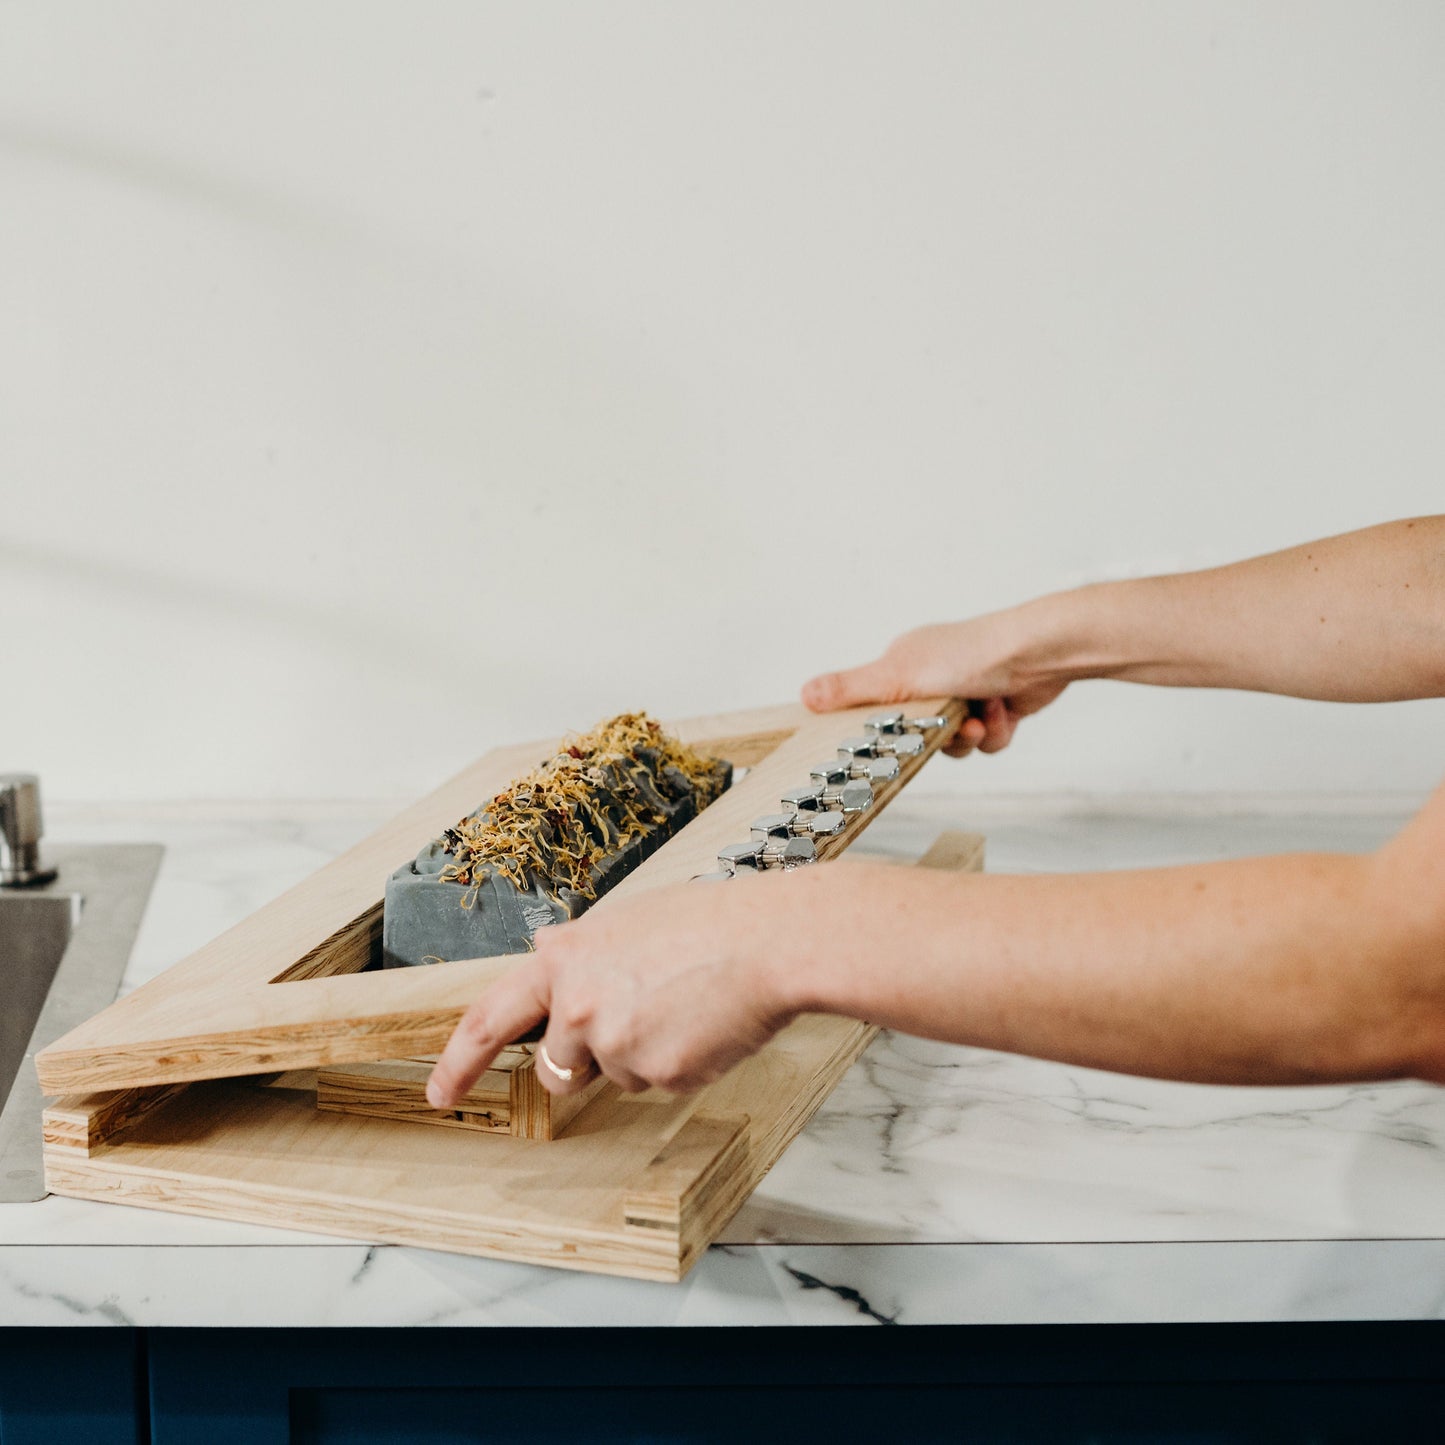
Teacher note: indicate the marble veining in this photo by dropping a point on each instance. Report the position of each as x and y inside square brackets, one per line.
[937, 1183]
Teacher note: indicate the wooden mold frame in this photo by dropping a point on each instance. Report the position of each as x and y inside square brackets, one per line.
[173, 1115]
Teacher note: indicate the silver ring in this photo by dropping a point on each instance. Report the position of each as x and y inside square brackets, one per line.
[564, 1074]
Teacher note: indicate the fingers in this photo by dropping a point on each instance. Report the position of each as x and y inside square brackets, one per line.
[564, 1063]
[515, 1003]
[625, 1079]
[873, 682]
[998, 726]
[989, 728]
[966, 739]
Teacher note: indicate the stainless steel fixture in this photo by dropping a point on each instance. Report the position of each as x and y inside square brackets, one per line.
[837, 791]
[63, 951]
[21, 829]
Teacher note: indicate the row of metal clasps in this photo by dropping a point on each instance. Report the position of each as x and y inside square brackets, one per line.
[837, 791]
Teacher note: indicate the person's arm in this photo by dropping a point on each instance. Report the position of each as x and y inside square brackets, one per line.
[1299, 968]
[1303, 968]
[1355, 618]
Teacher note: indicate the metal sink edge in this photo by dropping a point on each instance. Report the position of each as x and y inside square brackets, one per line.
[115, 882]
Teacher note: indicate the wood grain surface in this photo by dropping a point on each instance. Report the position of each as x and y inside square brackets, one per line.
[634, 1185]
[507, 1099]
[280, 990]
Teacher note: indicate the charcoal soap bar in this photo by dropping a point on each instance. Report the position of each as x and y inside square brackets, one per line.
[430, 919]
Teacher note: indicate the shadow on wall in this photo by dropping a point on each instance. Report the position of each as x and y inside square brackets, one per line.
[206, 600]
[243, 624]
[414, 374]
[171, 179]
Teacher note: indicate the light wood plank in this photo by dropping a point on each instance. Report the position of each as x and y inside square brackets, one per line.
[396, 1089]
[83, 1122]
[223, 1012]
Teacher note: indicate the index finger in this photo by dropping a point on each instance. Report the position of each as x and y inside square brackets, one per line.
[518, 1001]
[971, 732]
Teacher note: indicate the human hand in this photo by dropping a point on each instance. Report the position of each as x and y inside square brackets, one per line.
[999, 662]
[670, 989]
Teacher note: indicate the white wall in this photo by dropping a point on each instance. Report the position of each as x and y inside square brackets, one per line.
[379, 382]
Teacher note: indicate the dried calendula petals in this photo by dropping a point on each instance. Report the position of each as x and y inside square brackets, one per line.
[590, 799]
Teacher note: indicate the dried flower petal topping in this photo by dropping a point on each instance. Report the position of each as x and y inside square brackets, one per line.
[556, 824]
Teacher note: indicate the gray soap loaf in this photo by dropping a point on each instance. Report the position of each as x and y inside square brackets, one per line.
[549, 846]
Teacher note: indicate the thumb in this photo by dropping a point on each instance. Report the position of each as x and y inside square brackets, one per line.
[873, 682]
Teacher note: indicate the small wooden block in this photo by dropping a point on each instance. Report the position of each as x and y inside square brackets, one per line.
[81, 1123]
[954, 852]
[696, 1183]
[685, 1174]
[536, 1114]
[507, 1099]
[396, 1089]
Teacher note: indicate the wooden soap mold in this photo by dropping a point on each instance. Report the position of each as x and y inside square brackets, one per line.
[635, 1185]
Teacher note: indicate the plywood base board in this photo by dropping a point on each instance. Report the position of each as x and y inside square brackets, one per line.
[620, 1192]
[633, 1185]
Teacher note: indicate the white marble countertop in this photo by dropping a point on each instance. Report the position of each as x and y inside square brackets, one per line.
[937, 1185]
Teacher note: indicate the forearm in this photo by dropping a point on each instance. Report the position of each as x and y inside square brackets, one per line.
[1272, 970]
[1356, 618]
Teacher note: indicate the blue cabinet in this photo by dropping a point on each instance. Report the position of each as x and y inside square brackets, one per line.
[71, 1386]
[1312, 1384]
